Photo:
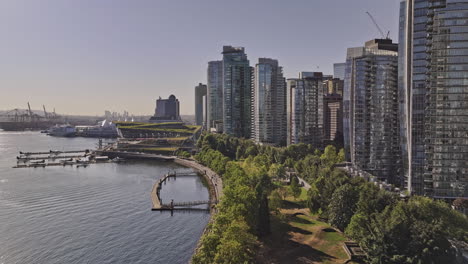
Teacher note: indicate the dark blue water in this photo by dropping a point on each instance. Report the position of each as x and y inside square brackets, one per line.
[98, 214]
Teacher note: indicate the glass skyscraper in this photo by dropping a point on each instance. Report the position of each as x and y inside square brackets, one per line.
[237, 92]
[200, 104]
[305, 109]
[434, 76]
[371, 120]
[269, 124]
[339, 70]
[215, 96]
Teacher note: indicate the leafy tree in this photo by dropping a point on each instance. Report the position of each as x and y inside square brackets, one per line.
[373, 200]
[262, 160]
[341, 156]
[251, 151]
[329, 156]
[343, 206]
[183, 154]
[417, 231]
[277, 171]
[313, 199]
[289, 162]
[237, 244]
[207, 251]
[295, 188]
[276, 201]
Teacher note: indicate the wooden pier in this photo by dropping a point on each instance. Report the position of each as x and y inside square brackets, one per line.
[156, 198]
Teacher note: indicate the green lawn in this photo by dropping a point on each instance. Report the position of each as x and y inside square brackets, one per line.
[299, 236]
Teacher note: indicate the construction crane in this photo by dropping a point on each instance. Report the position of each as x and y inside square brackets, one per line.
[378, 28]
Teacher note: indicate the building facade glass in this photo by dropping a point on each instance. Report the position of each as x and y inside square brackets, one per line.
[200, 104]
[237, 92]
[339, 70]
[269, 103]
[371, 120]
[306, 109]
[446, 120]
[436, 60]
[215, 96]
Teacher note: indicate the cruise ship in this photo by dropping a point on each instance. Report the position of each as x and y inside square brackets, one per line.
[104, 129]
[62, 131]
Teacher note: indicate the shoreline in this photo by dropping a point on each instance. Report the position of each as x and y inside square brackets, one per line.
[215, 184]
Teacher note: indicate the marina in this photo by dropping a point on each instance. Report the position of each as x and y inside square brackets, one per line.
[81, 158]
[101, 213]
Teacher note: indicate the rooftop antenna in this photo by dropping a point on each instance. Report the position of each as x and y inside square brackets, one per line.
[378, 27]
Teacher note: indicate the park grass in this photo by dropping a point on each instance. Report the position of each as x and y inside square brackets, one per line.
[161, 150]
[303, 196]
[176, 127]
[300, 237]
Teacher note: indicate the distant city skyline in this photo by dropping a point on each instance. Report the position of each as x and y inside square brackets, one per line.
[83, 57]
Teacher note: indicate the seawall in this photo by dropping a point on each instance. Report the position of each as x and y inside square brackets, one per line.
[215, 184]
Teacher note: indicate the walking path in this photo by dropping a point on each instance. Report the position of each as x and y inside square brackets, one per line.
[304, 184]
[213, 179]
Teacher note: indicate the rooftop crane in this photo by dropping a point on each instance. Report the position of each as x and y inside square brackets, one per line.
[377, 26]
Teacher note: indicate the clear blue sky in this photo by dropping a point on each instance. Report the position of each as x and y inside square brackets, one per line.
[85, 56]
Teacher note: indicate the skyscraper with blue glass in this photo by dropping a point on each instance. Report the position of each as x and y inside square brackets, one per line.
[237, 92]
[269, 124]
[215, 96]
[370, 106]
[433, 80]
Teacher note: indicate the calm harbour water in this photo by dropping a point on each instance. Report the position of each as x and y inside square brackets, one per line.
[98, 214]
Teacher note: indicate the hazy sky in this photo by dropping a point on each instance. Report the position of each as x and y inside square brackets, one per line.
[86, 56]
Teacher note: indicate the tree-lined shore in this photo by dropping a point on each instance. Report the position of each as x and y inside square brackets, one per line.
[388, 228]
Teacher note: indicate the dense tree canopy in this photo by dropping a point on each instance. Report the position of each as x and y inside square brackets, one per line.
[389, 229]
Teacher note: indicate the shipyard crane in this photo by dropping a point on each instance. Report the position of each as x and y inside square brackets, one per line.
[30, 112]
[45, 112]
[378, 27]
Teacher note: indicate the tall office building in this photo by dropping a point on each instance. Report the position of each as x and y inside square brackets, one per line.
[269, 124]
[200, 104]
[167, 110]
[339, 70]
[215, 96]
[305, 109]
[433, 79]
[371, 109]
[334, 86]
[333, 118]
[237, 92]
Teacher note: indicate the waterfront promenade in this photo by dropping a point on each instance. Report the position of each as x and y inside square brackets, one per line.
[215, 182]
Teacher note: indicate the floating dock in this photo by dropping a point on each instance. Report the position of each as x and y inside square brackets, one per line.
[54, 158]
[49, 157]
[54, 152]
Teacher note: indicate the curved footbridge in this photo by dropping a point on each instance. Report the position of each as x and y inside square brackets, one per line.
[214, 182]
